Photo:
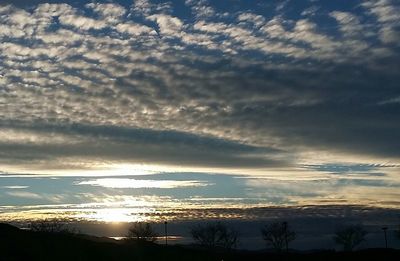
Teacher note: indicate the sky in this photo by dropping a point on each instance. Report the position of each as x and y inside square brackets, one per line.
[146, 107]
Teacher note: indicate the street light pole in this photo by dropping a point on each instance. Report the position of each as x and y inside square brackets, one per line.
[384, 231]
[285, 224]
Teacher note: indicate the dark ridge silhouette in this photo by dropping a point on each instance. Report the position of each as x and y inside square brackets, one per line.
[17, 244]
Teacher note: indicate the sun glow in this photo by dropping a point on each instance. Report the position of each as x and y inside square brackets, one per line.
[113, 215]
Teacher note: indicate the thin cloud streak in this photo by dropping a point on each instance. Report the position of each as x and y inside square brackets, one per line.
[134, 183]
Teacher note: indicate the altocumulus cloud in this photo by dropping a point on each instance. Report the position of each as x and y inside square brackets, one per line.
[198, 83]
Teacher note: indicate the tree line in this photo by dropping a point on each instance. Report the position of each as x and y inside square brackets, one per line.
[212, 235]
[277, 235]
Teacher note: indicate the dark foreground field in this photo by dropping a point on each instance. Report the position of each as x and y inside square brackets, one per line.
[16, 244]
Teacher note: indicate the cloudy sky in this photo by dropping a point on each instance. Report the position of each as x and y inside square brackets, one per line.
[197, 103]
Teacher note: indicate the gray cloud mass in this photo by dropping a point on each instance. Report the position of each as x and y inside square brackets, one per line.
[206, 87]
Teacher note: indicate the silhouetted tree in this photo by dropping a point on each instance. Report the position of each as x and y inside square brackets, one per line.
[142, 232]
[51, 226]
[350, 237]
[278, 235]
[212, 235]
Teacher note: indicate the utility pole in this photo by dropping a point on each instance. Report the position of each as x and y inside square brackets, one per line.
[384, 232]
[166, 233]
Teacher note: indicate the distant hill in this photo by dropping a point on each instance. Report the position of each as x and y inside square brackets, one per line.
[17, 244]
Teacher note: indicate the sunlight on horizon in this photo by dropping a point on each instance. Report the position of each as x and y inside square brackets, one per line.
[114, 215]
